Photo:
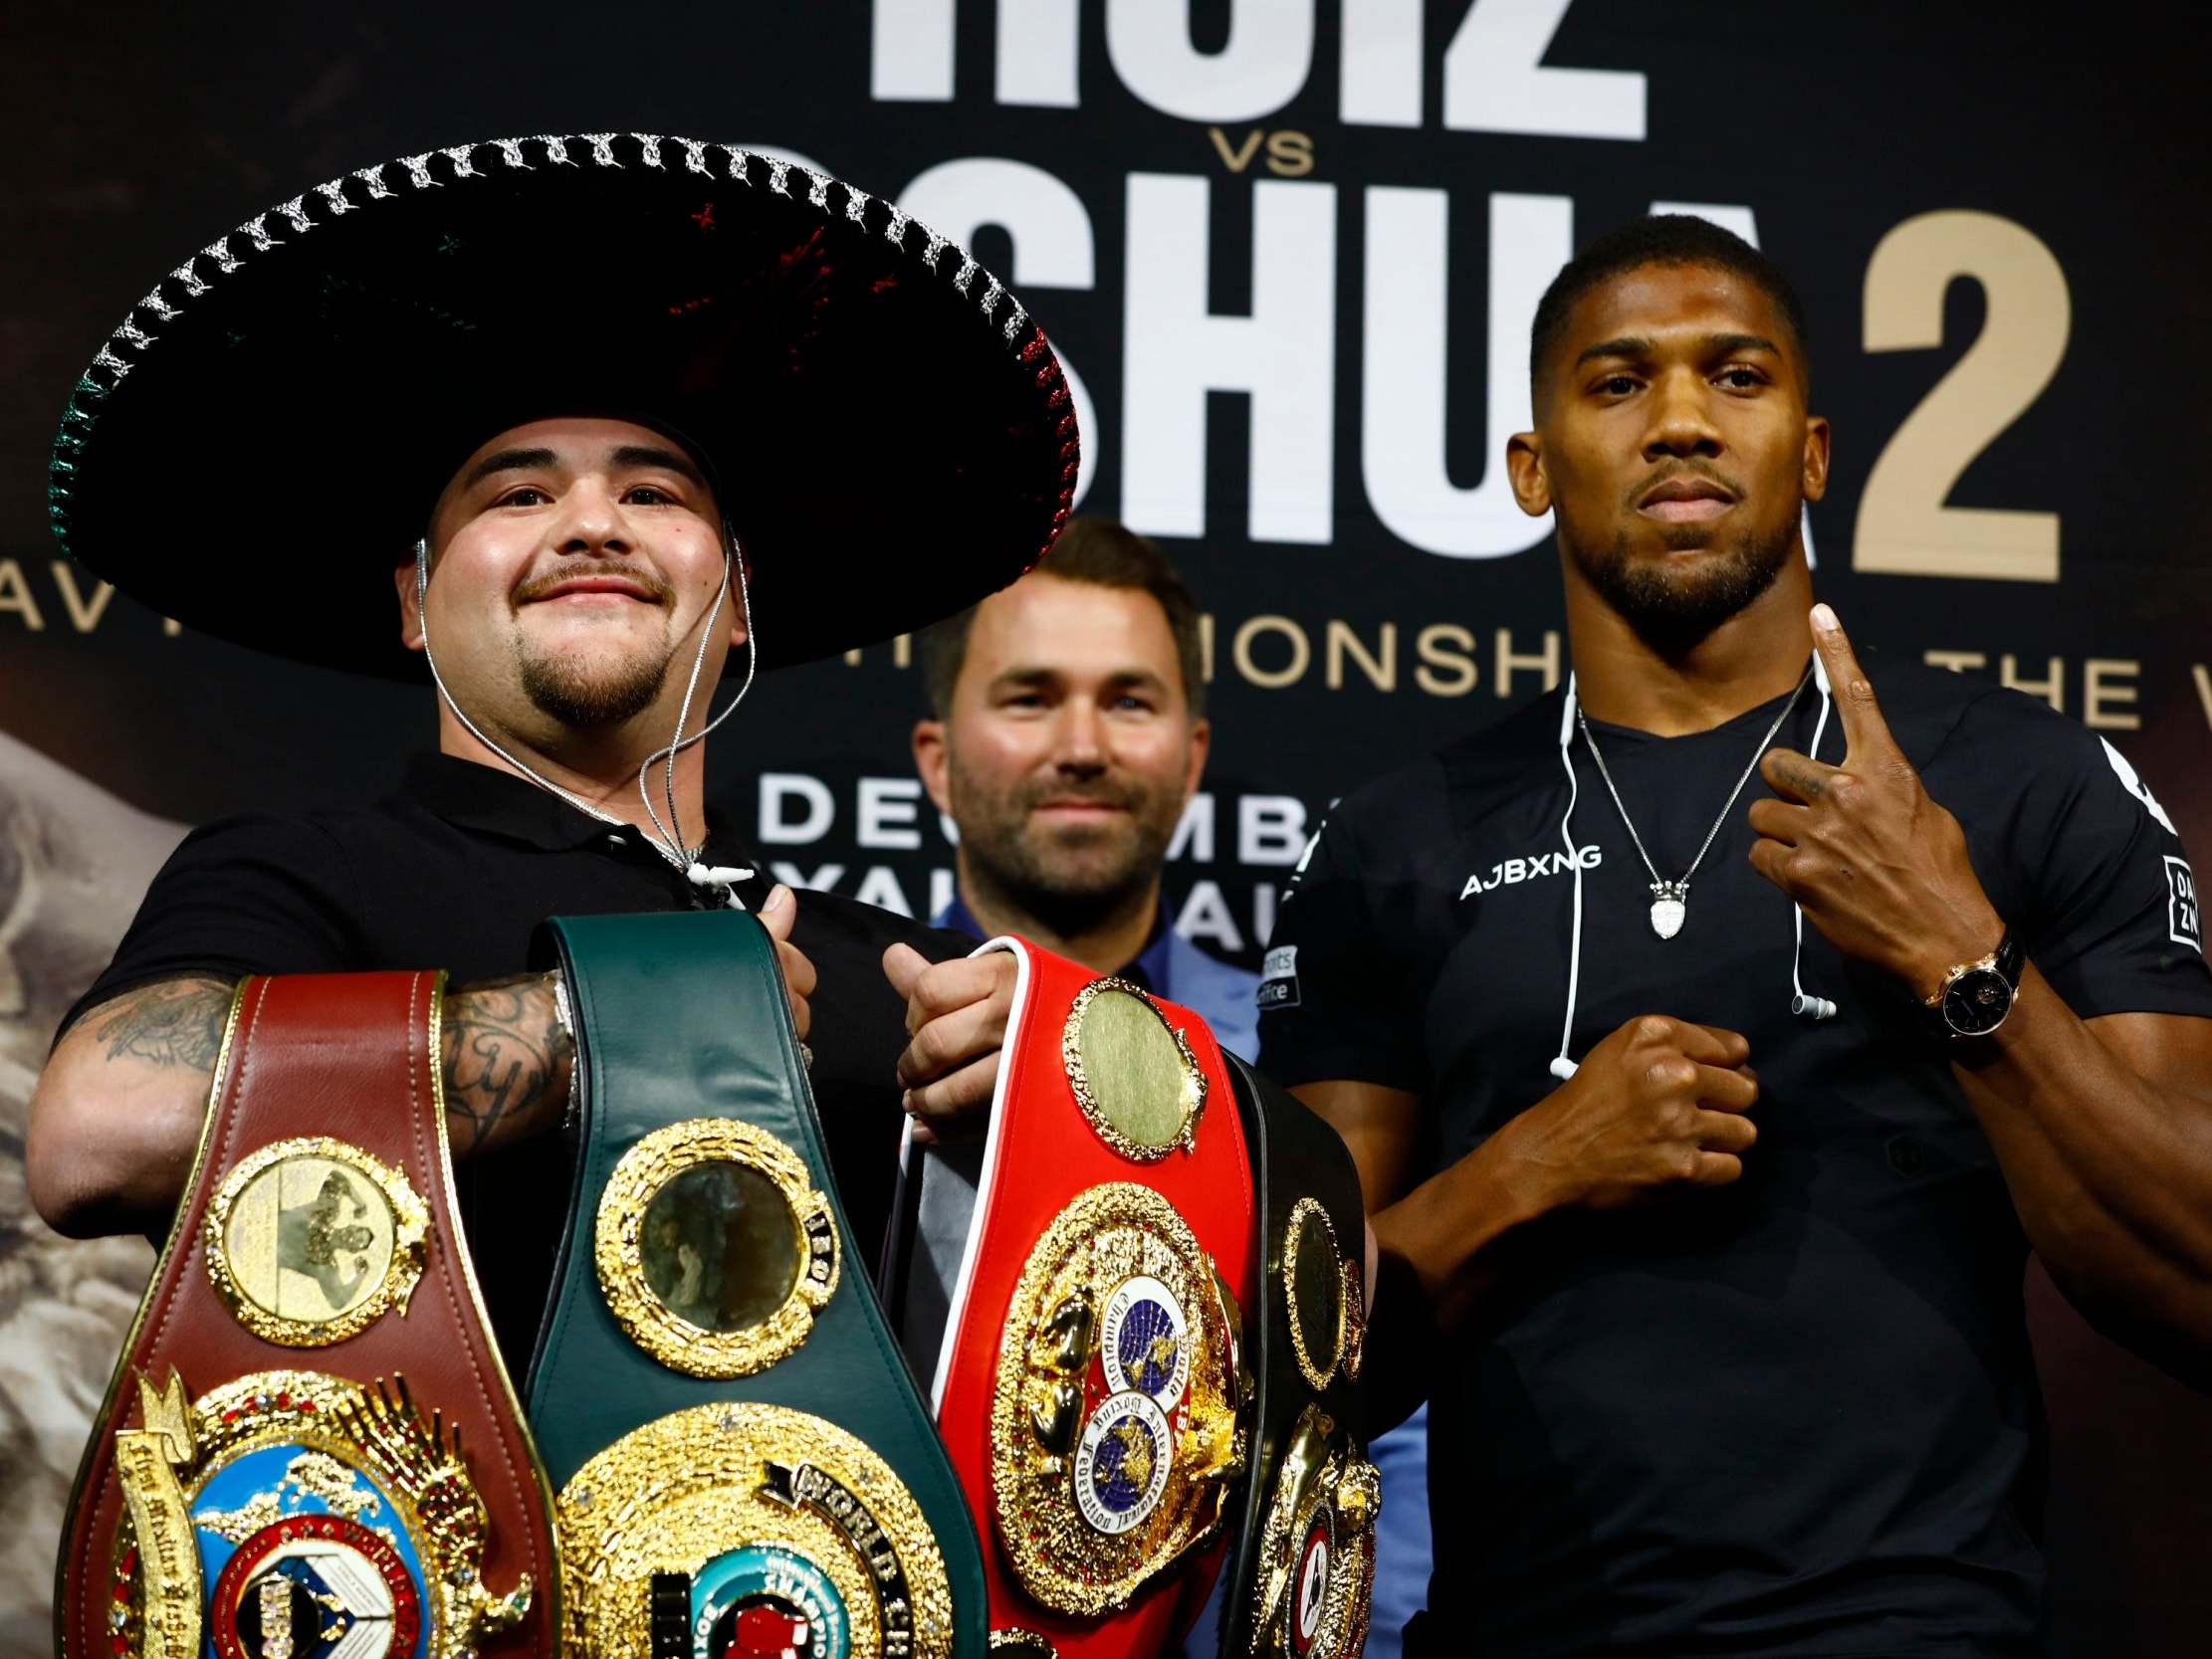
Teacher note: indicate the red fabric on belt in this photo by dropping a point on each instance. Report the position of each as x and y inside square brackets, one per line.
[1044, 1153]
[347, 1056]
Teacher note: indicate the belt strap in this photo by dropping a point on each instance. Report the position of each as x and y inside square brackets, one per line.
[1304, 1569]
[309, 1426]
[1089, 1268]
[716, 1392]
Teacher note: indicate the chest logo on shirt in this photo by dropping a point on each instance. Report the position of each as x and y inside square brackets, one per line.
[1514, 871]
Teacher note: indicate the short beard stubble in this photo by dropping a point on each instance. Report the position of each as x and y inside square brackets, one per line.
[1673, 611]
[1082, 887]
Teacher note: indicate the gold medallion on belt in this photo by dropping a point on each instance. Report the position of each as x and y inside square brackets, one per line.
[1114, 1414]
[1316, 1545]
[713, 1248]
[748, 1528]
[293, 1510]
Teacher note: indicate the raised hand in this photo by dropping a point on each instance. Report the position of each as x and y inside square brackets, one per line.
[1661, 1104]
[956, 1014]
[1879, 868]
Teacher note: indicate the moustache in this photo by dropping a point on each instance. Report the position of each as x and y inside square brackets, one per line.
[655, 586]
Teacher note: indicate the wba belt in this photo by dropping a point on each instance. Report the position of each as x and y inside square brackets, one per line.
[310, 1449]
[743, 1463]
[1303, 1568]
[1076, 1284]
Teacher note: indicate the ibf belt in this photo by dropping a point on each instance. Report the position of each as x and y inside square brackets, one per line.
[743, 1464]
[1303, 1572]
[1091, 1265]
[310, 1449]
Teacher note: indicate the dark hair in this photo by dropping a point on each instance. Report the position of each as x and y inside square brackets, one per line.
[1659, 239]
[1103, 553]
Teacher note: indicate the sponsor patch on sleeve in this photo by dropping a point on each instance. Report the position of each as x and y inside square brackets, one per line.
[2183, 925]
[1278, 977]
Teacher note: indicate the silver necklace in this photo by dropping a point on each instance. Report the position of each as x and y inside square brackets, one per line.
[1670, 900]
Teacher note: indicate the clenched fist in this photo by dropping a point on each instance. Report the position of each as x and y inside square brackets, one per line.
[1660, 1104]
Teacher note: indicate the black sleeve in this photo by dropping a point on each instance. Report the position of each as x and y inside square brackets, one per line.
[2108, 909]
[1333, 1000]
[242, 895]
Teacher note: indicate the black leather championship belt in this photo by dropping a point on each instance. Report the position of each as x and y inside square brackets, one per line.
[743, 1464]
[1304, 1569]
[310, 1449]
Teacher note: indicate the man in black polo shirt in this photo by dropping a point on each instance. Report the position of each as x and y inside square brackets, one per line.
[631, 470]
[1727, 1215]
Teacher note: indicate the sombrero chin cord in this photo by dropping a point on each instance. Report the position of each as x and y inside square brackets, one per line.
[664, 840]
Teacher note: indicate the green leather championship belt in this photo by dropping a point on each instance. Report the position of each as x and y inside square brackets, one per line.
[743, 1462]
[1300, 1580]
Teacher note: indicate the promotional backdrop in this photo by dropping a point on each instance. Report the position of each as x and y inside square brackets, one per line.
[1289, 251]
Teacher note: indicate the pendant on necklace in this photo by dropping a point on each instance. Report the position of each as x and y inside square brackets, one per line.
[1670, 905]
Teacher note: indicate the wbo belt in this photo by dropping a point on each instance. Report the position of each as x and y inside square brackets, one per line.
[1303, 1571]
[743, 1463]
[310, 1449]
[1075, 1285]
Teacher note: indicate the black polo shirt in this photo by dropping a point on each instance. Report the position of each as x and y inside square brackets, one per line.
[456, 870]
[1797, 1416]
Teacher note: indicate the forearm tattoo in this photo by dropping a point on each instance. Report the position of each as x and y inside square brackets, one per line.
[176, 1022]
[506, 1060]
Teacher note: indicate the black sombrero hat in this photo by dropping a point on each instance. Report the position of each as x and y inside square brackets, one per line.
[890, 434]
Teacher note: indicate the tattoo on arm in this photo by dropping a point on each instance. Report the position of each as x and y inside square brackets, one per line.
[506, 1062]
[173, 1022]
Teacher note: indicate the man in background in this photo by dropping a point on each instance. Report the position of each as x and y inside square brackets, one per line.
[1068, 732]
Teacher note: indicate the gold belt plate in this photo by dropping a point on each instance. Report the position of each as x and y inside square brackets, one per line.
[288, 1495]
[1114, 1411]
[782, 1515]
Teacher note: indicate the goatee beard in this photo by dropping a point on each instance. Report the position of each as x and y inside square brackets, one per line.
[1674, 611]
[566, 689]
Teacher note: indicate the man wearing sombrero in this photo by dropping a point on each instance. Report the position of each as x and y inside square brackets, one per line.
[604, 412]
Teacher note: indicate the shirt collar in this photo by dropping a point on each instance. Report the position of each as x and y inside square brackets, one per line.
[493, 801]
[1148, 969]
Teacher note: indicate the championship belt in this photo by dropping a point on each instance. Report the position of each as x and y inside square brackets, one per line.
[745, 1465]
[310, 1449]
[1076, 1282]
[1303, 1568]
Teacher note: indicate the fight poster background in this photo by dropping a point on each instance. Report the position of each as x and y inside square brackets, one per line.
[1290, 248]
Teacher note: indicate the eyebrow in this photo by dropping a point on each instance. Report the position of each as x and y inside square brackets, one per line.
[626, 455]
[653, 455]
[507, 461]
[1636, 345]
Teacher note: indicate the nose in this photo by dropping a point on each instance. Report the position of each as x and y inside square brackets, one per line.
[1681, 421]
[1081, 752]
[591, 522]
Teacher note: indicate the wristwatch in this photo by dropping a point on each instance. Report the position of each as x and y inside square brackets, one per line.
[1975, 996]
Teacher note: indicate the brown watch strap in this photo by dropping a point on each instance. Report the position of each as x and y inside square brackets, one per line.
[310, 1420]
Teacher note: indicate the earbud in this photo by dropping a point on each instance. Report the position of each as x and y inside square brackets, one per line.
[1811, 1007]
[1563, 1068]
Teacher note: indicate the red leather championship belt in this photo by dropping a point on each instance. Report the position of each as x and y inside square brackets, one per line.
[1089, 1382]
[310, 1449]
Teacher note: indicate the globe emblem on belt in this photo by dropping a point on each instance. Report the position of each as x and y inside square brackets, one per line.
[1121, 1462]
[1143, 1340]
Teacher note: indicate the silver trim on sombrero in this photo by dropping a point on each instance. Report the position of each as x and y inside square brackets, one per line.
[462, 159]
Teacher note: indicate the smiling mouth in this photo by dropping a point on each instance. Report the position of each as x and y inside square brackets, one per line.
[593, 589]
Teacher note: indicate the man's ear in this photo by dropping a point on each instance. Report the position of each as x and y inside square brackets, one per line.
[1815, 481]
[1524, 468]
[932, 761]
[410, 606]
[1202, 744]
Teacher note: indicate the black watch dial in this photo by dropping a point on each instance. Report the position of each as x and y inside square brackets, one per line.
[1977, 1002]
